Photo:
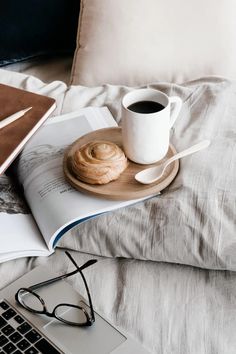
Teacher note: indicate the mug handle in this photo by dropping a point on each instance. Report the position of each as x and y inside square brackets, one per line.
[178, 104]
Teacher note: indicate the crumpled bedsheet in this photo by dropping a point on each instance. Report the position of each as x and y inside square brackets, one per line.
[170, 308]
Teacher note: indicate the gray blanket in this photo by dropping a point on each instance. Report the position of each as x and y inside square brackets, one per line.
[193, 221]
[170, 308]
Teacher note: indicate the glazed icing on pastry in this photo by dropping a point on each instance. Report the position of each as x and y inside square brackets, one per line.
[98, 162]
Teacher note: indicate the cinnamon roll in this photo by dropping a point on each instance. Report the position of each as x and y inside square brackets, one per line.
[98, 162]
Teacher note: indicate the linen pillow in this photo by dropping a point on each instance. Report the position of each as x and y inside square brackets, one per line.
[37, 28]
[141, 41]
[193, 220]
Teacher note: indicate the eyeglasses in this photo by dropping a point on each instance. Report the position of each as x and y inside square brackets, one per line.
[70, 314]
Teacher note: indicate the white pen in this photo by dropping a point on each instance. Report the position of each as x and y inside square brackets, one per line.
[13, 117]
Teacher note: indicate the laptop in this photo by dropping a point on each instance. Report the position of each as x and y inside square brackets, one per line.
[24, 332]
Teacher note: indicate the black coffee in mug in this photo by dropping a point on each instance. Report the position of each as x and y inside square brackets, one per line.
[145, 107]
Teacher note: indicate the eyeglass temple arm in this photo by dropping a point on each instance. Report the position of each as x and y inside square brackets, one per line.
[60, 277]
[85, 265]
[53, 280]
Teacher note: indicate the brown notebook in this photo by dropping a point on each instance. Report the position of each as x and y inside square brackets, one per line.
[14, 136]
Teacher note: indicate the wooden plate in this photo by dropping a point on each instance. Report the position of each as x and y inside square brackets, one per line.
[125, 187]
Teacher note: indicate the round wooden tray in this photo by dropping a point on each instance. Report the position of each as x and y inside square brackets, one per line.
[125, 187]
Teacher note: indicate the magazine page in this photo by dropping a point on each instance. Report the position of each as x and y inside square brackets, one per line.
[55, 205]
[19, 234]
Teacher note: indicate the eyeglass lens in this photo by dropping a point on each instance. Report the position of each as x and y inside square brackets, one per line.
[30, 301]
[70, 314]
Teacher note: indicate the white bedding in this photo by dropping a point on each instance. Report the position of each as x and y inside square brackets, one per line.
[170, 308]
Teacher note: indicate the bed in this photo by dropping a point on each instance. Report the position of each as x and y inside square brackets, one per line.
[168, 307]
[166, 266]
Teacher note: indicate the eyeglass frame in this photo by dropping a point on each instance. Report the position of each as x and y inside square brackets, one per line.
[90, 318]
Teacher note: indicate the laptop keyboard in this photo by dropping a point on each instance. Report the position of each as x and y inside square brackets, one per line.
[18, 336]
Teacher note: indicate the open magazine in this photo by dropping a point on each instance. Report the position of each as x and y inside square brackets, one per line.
[55, 206]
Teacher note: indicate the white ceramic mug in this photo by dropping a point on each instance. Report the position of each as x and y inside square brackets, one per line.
[145, 136]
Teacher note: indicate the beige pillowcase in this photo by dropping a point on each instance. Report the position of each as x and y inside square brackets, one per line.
[133, 42]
